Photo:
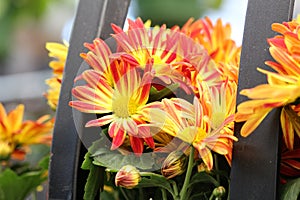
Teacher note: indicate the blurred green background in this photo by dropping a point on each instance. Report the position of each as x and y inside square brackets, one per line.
[172, 12]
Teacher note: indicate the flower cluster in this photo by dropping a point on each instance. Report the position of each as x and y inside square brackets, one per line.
[121, 88]
[162, 91]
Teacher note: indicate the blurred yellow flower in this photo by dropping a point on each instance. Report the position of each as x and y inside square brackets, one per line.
[59, 53]
[16, 135]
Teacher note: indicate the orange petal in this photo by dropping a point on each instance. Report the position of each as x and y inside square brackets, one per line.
[287, 129]
[206, 156]
[252, 123]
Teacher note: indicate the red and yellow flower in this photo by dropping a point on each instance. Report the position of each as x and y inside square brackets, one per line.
[122, 103]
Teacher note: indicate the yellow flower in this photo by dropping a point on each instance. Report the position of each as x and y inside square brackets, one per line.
[128, 177]
[283, 86]
[16, 135]
[53, 92]
[59, 52]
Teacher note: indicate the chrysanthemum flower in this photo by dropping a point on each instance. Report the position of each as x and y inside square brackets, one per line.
[59, 52]
[16, 135]
[121, 103]
[283, 86]
[189, 123]
[216, 39]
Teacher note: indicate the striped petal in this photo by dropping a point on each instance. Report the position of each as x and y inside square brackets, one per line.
[117, 134]
[88, 107]
[287, 129]
[206, 156]
[100, 121]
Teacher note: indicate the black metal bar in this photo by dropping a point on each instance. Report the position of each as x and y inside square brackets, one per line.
[93, 19]
[254, 173]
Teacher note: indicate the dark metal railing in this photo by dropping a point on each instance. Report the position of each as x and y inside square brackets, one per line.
[93, 19]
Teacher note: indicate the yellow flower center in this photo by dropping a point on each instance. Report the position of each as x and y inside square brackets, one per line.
[201, 134]
[124, 107]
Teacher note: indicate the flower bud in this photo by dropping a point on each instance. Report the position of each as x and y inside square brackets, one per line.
[174, 164]
[219, 191]
[128, 177]
[202, 167]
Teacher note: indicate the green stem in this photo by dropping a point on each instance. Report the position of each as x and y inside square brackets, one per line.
[175, 188]
[217, 168]
[124, 194]
[188, 175]
[141, 194]
[163, 194]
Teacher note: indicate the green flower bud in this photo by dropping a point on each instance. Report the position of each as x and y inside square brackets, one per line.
[219, 192]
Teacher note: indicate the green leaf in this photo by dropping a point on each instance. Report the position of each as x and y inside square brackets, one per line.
[156, 95]
[44, 163]
[291, 190]
[203, 177]
[18, 187]
[155, 180]
[88, 162]
[107, 196]
[114, 160]
[94, 182]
